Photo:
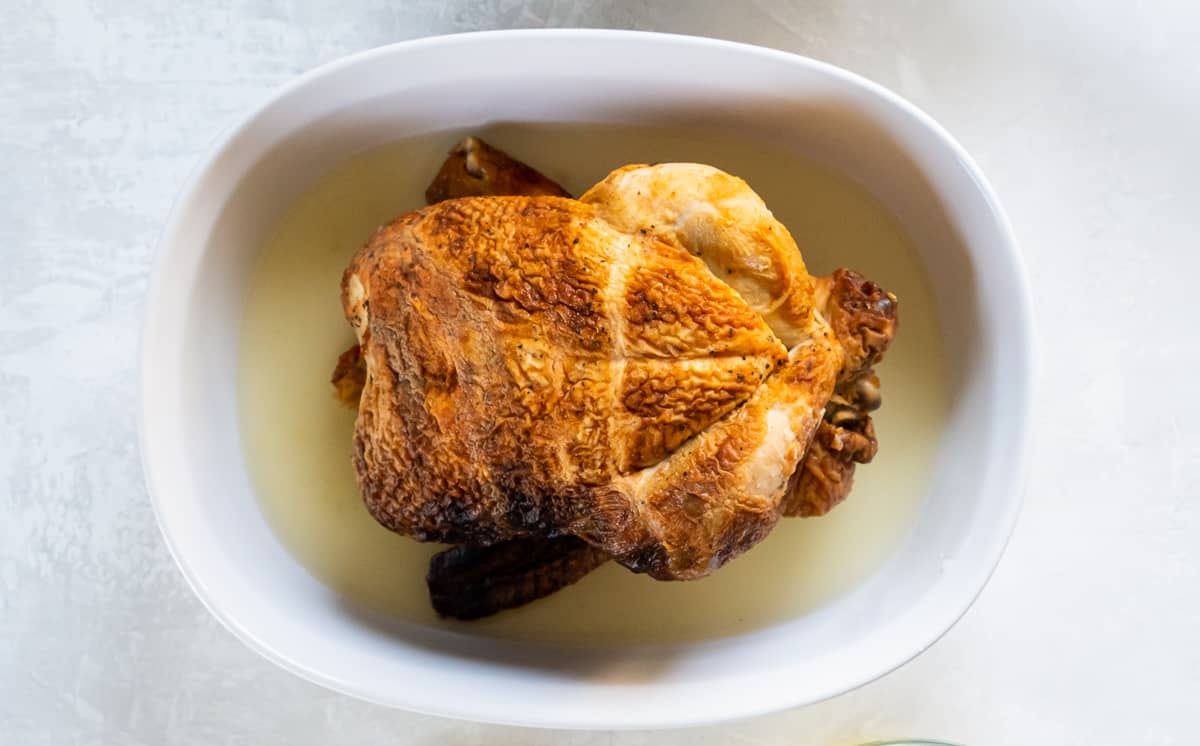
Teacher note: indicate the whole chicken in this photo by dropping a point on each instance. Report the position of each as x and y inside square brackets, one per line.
[643, 369]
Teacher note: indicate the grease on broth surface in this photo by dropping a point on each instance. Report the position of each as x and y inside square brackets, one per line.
[297, 437]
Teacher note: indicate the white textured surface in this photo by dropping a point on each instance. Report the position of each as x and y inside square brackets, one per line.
[1085, 116]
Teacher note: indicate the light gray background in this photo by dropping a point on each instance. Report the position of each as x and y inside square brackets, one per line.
[1086, 116]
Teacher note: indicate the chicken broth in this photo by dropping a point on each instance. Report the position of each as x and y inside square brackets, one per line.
[297, 436]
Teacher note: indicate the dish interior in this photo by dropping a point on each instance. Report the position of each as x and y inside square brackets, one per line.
[297, 436]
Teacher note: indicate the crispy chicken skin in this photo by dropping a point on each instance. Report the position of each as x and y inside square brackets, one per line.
[468, 582]
[349, 377]
[476, 169]
[643, 372]
[864, 320]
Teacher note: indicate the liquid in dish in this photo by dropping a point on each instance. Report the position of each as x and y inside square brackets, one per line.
[677, 557]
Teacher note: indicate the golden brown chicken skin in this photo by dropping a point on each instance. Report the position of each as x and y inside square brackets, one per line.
[474, 168]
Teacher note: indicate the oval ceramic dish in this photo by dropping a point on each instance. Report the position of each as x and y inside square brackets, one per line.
[197, 473]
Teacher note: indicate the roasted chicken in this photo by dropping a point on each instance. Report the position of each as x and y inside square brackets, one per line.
[649, 369]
